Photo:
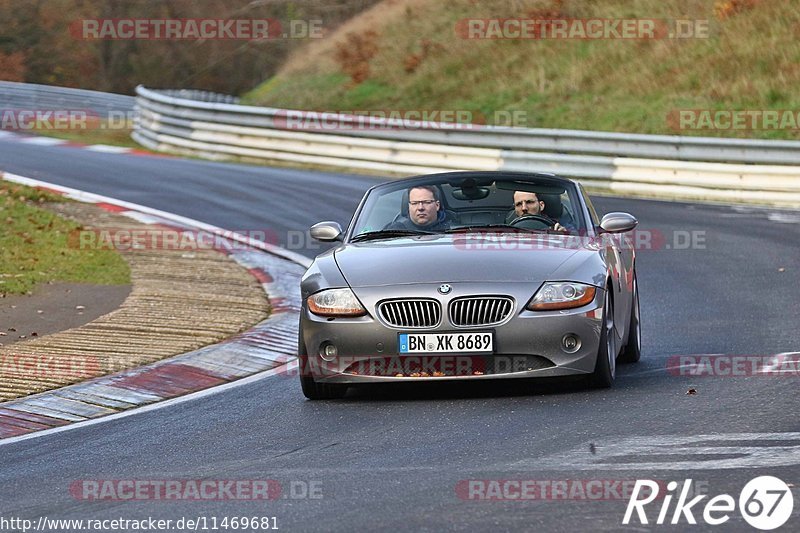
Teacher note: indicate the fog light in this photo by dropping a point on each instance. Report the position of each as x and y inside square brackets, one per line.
[570, 343]
[328, 352]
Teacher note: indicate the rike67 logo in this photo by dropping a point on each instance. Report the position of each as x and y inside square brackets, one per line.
[765, 503]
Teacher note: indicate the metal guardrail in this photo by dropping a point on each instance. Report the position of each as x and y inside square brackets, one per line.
[201, 96]
[30, 96]
[665, 166]
[215, 126]
[508, 138]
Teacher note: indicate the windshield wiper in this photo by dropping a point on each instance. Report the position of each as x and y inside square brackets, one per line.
[492, 227]
[388, 234]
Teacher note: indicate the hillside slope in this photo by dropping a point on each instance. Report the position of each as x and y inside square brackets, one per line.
[411, 54]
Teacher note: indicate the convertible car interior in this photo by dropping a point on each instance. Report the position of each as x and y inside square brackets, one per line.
[470, 209]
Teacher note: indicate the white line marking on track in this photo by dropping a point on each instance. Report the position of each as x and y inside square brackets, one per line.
[43, 141]
[142, 217]
[778, 361]
[784, 218]
[674, 452]
[108, 149]
[287, 368]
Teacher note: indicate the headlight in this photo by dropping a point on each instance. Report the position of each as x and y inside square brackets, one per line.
[561, 295]
[335, 302]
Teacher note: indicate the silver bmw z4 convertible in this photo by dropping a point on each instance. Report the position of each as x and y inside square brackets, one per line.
[470, 276]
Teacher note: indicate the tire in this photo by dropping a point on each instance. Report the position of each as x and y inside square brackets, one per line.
[633, 348]
[321, 391]
[606, 366]
[311, 389]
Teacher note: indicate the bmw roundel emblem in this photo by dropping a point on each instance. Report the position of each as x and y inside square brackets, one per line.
[444, 288]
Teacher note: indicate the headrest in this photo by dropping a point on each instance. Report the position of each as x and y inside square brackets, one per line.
[552, 204]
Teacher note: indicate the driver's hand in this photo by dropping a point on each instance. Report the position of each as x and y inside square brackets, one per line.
[558, 227]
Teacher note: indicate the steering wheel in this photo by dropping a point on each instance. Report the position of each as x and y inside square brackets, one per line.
[534, 222]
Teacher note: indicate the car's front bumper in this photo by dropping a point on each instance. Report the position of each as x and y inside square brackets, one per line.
[528, 345]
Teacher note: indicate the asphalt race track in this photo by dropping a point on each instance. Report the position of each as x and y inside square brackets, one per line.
[420, 458]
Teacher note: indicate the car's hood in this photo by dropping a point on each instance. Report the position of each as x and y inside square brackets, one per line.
[456, 258]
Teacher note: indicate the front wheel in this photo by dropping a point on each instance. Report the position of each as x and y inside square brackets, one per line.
[633, 349]
[606, 366]
[321, 391]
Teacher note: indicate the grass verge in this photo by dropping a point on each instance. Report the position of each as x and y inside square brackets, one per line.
[35, 248]
[409, 55]
[112, 136]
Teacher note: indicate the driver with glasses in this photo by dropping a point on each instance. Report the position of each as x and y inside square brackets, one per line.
[425, 212]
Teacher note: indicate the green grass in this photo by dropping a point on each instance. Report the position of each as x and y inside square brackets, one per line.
[111, 137]
[34, 246]
[750, 61]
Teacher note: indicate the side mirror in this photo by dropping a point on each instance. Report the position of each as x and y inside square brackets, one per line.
[326, 231]
[618, 222]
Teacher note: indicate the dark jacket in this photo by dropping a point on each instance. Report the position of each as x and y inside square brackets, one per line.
[565, 220]
[406, 223]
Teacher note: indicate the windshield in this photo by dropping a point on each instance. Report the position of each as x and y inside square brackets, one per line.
[447, 204]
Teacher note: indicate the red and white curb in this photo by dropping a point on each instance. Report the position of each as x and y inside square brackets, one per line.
[268, 345]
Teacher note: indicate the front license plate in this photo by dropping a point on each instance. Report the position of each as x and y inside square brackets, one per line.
[476, 342]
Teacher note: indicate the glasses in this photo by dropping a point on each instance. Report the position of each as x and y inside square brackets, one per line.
[425, 203]
[526, 202]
